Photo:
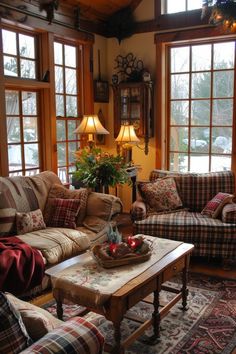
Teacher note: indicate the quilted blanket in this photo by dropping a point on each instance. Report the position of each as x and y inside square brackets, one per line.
[21, 266]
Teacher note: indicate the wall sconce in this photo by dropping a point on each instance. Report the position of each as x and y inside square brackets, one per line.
[91, 125]
[125, 139]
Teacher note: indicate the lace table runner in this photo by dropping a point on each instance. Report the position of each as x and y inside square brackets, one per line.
[89, 284]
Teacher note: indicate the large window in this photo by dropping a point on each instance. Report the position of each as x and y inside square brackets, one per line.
[68, 95]
[173, 6]
[201, 101]
[22, 132]
[19, 54]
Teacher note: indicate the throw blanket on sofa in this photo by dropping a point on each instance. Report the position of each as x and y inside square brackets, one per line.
[21, 266]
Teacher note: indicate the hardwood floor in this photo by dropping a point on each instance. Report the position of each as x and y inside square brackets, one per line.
[197, 264]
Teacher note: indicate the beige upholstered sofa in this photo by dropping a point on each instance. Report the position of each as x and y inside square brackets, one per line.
[25, 194]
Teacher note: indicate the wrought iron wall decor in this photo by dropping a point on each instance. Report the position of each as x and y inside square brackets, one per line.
[129, 68]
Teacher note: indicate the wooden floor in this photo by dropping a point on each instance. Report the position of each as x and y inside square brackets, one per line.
[197, 264]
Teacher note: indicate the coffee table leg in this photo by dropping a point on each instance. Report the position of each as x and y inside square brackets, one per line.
[59, 309]
[184, 289]
[117, 336]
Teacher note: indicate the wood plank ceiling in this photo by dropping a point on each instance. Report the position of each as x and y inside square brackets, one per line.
[100, 11]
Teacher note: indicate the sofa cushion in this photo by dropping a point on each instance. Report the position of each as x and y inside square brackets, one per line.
[103, 206]
[27, 222]
[59, 191]
[74, 336]
[215, 205]
[57, 244]
[63, 212]
[229, 213]
[196, 189]
[7, 221]
[37, 321]
[161, 194]
[13, 335]
[192, 228]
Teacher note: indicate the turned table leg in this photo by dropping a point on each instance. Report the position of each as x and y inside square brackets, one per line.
[184, 289]
[117, 349]
[59, 309]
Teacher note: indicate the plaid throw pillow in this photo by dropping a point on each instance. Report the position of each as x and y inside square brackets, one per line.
[58, 191]
[216, 204]
[28, 222]
[64, 212]
[13, 334]
[229, 213]
[160, 195]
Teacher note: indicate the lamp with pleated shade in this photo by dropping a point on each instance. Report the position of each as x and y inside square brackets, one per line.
[91, 125]
[126, 139]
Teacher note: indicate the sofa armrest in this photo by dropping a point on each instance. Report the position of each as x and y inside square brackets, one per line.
[104, 206]
[229, 213]
[74, 336]
[138, 210]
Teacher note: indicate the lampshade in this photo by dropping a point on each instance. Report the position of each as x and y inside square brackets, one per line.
[127, 134]
[91, 125]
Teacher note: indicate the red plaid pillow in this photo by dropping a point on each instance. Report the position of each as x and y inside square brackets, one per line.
[215, 205]
[63, 213]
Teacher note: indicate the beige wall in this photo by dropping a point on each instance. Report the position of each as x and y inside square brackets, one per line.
[143, 47]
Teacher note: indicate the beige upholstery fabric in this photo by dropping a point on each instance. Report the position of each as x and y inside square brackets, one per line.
[57, 244]
[95, 237]
[41, 185]
[103, 206]
[37, 321]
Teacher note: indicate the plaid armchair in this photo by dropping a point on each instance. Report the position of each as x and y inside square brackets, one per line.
[211, 237]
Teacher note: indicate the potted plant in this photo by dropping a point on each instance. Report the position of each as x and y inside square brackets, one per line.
[99, 170]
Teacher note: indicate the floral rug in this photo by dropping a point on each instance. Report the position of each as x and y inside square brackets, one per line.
[208, 327]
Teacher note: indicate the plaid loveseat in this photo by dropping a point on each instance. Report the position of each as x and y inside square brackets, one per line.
[211, 237]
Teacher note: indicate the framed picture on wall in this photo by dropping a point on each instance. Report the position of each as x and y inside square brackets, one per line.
[101, 91]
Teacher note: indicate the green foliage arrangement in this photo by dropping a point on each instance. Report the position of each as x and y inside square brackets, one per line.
[95, 168]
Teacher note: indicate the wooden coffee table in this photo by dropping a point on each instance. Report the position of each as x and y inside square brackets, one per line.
[137, 289]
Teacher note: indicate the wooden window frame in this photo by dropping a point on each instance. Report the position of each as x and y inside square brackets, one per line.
[163, 40]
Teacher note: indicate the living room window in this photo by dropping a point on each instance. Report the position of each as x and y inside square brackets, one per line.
[68, 104]
[22, 132]
[19, 56]
[200, 106]
[174, 6]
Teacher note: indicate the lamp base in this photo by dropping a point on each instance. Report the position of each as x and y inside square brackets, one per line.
[127, 155]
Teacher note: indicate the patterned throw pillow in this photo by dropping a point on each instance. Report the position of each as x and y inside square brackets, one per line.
[13, 334]
[216, 204]
[28, 222]
[58, 191]
[64, 213]
[7, 221]
[229, 213]
[161, 194]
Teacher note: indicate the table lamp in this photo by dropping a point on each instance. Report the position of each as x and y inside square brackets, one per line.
[91, 125]
[125, 139]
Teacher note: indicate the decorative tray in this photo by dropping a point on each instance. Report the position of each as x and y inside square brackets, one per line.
[108, 257]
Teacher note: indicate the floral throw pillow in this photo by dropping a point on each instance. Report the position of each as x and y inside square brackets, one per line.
[63, 212]
[160, 195]
[28, 222]
[216, 204]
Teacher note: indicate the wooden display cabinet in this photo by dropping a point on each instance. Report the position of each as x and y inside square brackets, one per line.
[133, 104]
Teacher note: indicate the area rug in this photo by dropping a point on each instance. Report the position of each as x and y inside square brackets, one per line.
[208, 327]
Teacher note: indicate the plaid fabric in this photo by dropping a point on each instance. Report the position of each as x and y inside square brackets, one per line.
[13, 335]
[215, 205]
[138, 210]
[195, 190]
[210, 236]
[229, 213]
[74, 336]
[64, 213]
[7, 221]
